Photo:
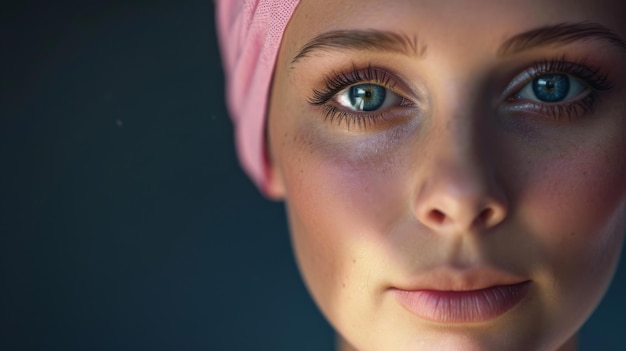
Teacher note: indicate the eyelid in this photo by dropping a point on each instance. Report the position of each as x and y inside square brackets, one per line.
[590, 76]
[337, 81]
[594, 79]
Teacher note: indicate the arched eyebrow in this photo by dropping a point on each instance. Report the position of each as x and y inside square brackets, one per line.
[386, 41]
[559, 34]
[362, 40]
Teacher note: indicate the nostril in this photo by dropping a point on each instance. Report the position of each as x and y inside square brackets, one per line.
[465, 215]
[485, 215]
[436, 216]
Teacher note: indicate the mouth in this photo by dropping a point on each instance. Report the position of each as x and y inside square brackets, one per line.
[462, 306]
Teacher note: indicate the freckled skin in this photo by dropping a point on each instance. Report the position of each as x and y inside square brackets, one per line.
[370, 208]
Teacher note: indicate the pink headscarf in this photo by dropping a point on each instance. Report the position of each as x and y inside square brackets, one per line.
[250, 33]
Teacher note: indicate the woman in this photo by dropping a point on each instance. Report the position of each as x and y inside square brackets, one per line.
[454, 172]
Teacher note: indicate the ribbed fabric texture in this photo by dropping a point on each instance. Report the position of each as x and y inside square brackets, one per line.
[250, 33]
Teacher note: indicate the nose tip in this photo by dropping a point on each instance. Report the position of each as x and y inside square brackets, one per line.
[467, 199]
[460, 184]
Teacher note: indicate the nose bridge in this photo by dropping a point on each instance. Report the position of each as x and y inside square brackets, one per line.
[457, 187]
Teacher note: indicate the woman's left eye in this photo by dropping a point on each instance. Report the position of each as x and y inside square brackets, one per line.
[367, 98]
[552, 88]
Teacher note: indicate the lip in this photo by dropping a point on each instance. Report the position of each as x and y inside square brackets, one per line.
[452, 296]
[469, 306]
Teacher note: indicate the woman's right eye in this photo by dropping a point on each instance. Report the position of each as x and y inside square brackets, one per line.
[367, 98]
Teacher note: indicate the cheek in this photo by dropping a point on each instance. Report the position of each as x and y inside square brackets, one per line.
[580, 193]
[346, 181]
[572, 209]
[341, 196]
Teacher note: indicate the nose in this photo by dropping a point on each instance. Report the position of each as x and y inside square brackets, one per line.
[457, 188]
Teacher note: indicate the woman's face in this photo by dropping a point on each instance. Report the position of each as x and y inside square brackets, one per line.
[454, 171]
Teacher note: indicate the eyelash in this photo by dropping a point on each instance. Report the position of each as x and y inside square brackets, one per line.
[339, 81]
[589, 75]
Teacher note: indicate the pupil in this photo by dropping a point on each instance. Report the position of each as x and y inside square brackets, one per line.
[367, 97]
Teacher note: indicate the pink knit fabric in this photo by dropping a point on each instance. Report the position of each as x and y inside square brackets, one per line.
[250, 33]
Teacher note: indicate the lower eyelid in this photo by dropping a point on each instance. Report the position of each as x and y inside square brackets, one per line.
[364, 120]
[591, 81]
[567, 111]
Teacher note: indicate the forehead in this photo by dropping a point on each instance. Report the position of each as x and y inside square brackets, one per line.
[464, 25]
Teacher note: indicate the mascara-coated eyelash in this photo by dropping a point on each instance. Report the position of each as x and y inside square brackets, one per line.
[590, 79]
[339, 81]
[593, 76]
[369, 80]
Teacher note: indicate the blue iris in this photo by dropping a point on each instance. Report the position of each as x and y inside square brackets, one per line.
[367, 97]
[551, 87]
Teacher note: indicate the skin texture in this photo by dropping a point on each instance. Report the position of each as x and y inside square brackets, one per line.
[456, 176]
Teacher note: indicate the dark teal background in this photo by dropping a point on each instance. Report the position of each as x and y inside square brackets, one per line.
[125, 220]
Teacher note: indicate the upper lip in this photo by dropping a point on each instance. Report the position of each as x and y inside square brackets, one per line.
[454, 279]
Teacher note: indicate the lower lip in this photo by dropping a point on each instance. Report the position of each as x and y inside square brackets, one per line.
[462, 306]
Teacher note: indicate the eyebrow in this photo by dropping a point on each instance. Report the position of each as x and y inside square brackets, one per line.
[386, 41]
[362, 40]
[559, 34]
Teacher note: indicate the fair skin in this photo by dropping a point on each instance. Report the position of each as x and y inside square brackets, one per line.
[463, 178]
